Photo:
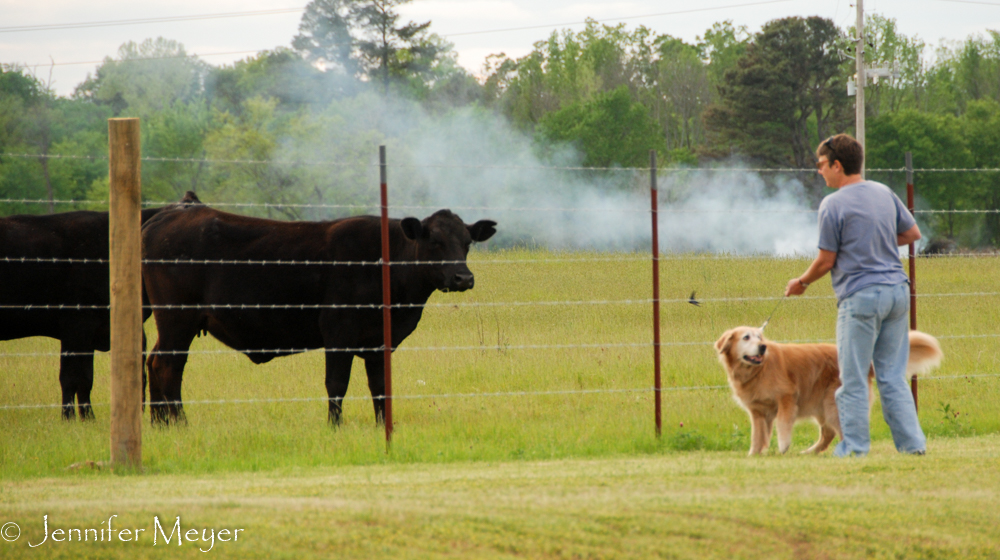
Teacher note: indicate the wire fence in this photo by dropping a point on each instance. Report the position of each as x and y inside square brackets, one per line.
[479, 261]
[454, 305]
[495, 394]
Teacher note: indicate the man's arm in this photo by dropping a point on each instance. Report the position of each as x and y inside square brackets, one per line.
[819, 267]
[908, 236]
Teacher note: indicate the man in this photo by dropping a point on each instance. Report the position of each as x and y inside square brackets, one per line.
[861, 227]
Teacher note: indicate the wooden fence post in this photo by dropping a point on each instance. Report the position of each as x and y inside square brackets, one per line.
[126, 293]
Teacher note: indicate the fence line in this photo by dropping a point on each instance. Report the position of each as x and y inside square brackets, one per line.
[469, 395]
[305, 306]
[623, 257]
[374, 165]
[482, 348]
[637, 210]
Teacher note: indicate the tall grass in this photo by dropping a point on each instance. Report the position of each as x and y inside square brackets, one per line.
[488, 401]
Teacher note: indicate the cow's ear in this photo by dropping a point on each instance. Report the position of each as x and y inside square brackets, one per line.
[412, 228]
[190, 198]
[482, 230]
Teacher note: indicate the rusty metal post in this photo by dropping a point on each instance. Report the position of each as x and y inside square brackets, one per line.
[656, 292]
[913, 266]
[386, 297]
[126, 292]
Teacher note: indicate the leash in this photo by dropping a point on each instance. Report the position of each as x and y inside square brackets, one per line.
[772, 312]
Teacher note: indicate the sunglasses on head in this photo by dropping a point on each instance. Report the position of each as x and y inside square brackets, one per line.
[828, 144]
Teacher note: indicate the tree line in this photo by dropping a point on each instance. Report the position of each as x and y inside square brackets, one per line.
[610, 93]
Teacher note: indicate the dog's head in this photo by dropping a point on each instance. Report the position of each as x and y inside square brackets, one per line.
[741, 346]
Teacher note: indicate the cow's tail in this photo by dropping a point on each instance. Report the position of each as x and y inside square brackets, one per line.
[925, 354]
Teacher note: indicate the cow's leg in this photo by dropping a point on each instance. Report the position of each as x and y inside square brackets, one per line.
[338, 375]
[375, 367]
[76, 377]
[166, 367]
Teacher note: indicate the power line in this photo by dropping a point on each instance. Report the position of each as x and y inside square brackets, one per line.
[550, 25]
[971, 2]
[191, 55]
[168, 19]
[82, 25]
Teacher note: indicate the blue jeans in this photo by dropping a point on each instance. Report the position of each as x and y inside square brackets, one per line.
[872, 329]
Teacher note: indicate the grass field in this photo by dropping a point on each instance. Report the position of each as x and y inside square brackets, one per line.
[506, 450]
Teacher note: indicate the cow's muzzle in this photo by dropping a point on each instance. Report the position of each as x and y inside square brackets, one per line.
[460, 282]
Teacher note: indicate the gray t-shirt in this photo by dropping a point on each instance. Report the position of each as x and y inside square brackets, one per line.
[860, 223]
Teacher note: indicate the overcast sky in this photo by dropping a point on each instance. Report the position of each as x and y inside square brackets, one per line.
[477, 28]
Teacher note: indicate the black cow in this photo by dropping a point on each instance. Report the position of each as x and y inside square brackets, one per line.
[341, 295]
[69, 235]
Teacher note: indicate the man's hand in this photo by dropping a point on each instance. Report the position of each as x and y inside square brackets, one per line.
[819, 267]
[795, 287]
[908, 236]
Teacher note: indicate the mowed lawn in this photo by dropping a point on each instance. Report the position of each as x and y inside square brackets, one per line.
[695, 504]
[524, 428]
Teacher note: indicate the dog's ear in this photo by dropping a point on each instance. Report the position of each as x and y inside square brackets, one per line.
[724, 343]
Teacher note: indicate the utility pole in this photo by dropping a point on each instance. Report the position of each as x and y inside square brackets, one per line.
[861, 79]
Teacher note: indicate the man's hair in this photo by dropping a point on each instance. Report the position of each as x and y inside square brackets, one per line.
[845, 149]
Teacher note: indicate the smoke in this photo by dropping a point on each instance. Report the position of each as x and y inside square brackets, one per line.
[474, 162]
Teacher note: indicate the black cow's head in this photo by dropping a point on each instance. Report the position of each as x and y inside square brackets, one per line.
[445, 238]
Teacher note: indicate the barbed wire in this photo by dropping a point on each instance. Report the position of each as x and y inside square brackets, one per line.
[452, 166]
[442, 396]
[943, 255]
[474, 304]
[544, 209]
[993, 211]
[103, 157]
[554, 260]
[500, 348]
[636, 258]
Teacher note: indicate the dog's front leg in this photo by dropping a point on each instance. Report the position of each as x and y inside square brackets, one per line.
[786, 420]
[760, 433]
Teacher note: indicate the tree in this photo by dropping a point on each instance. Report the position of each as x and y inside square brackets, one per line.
[722, 46]
[325, 35]
[280, 74]
[785, 95]
[611, 130]
[683, 90]
[571, 68]
[363, 38]
[981, 125]
[890, 48]
[250, 140]
[177, 132]
[35, 122]
[936, 141]
[27, 117]
[147, 77]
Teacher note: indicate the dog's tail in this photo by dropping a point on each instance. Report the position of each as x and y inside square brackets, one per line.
[925, 354]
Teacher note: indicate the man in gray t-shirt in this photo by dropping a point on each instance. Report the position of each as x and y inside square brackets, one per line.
[861, 227]
[859, 223]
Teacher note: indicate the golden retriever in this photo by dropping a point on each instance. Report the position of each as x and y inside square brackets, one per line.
[792, 381]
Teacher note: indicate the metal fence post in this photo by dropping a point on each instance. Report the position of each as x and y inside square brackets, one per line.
[386, 297]
[913, 266]
[656, 292]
